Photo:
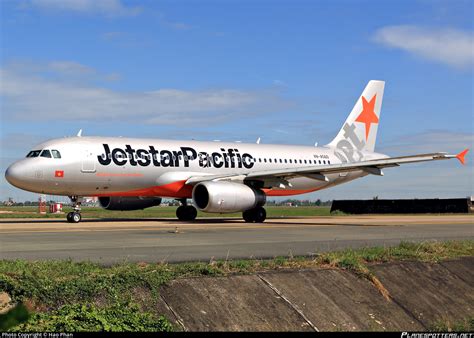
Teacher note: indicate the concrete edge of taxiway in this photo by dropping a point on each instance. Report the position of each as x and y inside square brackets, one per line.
[409, 296]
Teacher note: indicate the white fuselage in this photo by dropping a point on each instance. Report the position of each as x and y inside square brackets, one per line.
[106, 166]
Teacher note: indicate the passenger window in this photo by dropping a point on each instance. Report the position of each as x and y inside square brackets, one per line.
[305, 162]
[270, 160]
[46, 153]
[265, 160]
[285, 161]
[56, 154]
[329, 162]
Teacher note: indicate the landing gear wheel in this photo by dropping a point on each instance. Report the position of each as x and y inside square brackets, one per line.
[248, 216]
[76, 217]
[257, 215]
[260, 215]
[191, 212]
[73, 217]
[186, 213]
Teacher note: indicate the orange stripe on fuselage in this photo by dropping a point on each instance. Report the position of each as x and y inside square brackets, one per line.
[286, 192]
[117, 175]
[179, 189]
[176, 189]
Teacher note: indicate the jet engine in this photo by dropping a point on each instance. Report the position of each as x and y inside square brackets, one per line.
[225, 197]
[128, 203]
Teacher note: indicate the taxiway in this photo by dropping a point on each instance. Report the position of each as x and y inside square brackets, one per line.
[166, 240]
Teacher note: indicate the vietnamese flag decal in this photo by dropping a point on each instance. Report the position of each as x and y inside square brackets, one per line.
[59, 173]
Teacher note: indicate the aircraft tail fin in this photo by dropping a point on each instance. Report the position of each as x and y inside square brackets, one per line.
[359, 132]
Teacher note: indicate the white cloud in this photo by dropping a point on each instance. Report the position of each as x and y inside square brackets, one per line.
[102, 7]
[429, 141]
[70, 68]
[450, 46]
[60, 70]
[175, 25]
[279, 83]
[33, 95]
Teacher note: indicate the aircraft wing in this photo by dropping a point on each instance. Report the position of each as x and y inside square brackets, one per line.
[319, 172]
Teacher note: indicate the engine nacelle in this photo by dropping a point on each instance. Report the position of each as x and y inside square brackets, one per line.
[225, 197]
[128, 203]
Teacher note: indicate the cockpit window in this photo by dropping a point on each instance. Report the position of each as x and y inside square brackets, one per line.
[56, 154]
[34, 153]
[46, 153]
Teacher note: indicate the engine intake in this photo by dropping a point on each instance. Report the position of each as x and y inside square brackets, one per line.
[128, 203]
[225, 197]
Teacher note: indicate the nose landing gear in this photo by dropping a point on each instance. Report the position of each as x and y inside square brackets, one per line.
[75, 216]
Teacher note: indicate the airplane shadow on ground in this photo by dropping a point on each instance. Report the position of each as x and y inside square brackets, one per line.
[269, 222]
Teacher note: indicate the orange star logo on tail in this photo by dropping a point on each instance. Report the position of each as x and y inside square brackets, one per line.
[368, 116]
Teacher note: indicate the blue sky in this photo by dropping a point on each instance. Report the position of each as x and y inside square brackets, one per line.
[285, 71]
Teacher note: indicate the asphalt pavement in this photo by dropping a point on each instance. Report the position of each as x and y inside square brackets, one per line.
[167, 240]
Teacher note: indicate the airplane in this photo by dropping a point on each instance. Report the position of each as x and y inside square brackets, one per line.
[219, 177]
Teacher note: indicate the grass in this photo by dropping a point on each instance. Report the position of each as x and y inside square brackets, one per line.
[90, 295]
[155, 212]
[446, 325]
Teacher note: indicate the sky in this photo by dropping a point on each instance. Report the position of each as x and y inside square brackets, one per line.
[284, 71]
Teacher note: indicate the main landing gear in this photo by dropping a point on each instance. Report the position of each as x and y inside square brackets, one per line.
[255, 215]
[75, 216]
[186, 212]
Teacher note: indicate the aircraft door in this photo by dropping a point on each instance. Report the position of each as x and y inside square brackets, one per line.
[88, 162]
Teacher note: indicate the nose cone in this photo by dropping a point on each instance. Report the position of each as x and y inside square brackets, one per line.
[17, 174]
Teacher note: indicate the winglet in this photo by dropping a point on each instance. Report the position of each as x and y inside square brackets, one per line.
[79, 133]
[461, 156]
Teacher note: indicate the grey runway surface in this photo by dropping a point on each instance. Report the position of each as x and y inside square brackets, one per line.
[111, 241]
